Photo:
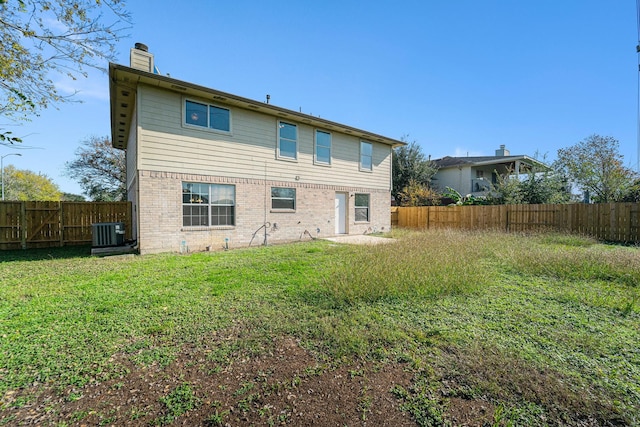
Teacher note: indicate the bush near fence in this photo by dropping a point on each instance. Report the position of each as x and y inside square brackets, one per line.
[30, 224]
[616, 222]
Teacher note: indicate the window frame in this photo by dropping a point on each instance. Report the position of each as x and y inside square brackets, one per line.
[279, 155]
[294, 199]
[209, 106]
[357, 207]
[362, 155]
[316, 146]
[210, 205]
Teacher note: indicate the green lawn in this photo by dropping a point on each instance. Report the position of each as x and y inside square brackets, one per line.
[545, 327]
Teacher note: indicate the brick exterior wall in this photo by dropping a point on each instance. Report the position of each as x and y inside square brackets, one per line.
[159, 213]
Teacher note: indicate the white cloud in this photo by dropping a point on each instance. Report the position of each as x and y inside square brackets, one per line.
[93, 87]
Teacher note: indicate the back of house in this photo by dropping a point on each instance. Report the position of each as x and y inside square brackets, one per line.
[208, 169]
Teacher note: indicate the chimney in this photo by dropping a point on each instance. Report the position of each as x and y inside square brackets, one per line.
[502, 152]
[141, 59]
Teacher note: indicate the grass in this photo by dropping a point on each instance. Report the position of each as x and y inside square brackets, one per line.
[545, 327]
[177, 403]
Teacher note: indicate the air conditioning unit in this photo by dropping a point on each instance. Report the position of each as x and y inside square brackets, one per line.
[108, 234]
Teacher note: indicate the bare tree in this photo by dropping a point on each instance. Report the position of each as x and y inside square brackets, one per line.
[100, 169]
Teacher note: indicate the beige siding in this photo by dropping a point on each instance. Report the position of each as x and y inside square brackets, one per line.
[132, 150]
[132, 173]
[165, 145]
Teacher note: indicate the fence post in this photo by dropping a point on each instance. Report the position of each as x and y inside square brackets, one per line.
[61, 224]
[23, 224]
[507, 219]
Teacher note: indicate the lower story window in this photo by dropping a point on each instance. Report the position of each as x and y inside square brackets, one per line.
[208, 204]
[362, 207]
[283, 198]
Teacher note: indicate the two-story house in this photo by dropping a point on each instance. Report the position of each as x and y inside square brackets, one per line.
[207, 169]
[476, 175]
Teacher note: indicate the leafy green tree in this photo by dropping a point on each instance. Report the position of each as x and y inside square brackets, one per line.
[41, 38]
[596, 165]
[536, 187]
[22, 184]
[100, 169]
[633, 194]
[410, 165]
[70, 197]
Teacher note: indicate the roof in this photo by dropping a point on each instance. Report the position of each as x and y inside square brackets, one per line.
[451, 162]
[123, 82]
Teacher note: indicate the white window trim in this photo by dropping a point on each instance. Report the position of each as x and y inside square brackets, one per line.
[205, 128]
[315, 148]
[295, 201]
[356, 207]
[278, 155]
[360, 157]
[209, 226]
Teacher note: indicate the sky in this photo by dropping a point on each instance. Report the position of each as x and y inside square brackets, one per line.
[458, 77]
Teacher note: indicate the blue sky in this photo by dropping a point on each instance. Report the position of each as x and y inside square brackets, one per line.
[459, 77]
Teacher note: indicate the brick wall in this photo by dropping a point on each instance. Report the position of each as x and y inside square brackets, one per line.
[160, 213]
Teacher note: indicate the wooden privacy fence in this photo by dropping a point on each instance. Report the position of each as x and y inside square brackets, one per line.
[47, 224]
[618, 222]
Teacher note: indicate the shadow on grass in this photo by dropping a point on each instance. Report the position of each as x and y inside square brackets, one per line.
[46, 253]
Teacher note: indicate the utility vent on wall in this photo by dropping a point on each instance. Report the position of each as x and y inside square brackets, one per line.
[108, 234]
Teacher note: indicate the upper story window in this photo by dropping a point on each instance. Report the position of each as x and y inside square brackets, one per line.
[283, 198]
[208, 204]
[207, 116]
[323, 147]
[287, 141]
[366, 156]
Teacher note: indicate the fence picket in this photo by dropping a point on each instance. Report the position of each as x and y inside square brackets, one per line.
[34, 224]
[618, 222]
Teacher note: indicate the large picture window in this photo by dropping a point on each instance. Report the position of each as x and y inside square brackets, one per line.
[207, 116]
[208, 204]
[366, 156]
[283, 198]
[323, 147]
[287, 140]
[362, 207]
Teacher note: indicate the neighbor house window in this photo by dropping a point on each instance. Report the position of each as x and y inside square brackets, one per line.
[323, 147]
[208, 204]
[366, 156]
[283, 198]
[207, 116]
[287, 140]
[362, 207]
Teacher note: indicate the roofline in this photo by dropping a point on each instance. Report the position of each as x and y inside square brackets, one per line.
[498, 160]
[131, 77]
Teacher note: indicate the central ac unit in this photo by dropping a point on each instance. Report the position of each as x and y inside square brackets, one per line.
[108, 234]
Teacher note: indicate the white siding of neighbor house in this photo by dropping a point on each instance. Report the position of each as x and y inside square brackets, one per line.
[458, 179]
[165, 144]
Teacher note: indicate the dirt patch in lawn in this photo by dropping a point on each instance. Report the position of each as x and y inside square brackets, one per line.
[284, 385]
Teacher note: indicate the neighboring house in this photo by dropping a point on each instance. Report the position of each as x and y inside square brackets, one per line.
[477, 175]
[207, 169]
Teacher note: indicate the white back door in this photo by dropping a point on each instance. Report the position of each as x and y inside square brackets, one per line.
[341, 213]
